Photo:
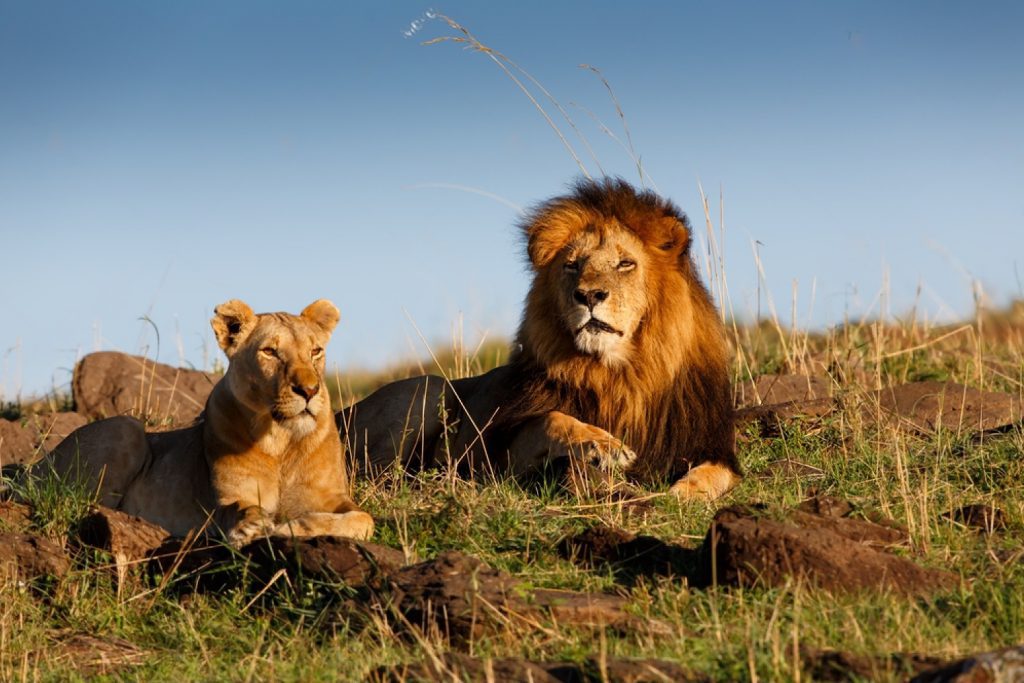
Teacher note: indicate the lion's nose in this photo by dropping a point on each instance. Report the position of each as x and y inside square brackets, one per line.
[306, 391]
[590, 297]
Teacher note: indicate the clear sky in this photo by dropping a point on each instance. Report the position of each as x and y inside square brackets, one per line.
[158, 158]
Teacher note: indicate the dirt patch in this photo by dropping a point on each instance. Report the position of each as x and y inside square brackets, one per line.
[457, 667]
[747, 545]
[108, 383]
[26, 557]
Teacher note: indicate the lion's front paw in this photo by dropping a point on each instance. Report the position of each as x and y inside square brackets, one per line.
[603, 451]
[705, 482]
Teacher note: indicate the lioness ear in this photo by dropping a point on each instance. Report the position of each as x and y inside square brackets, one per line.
[232, 322]
[323, 314]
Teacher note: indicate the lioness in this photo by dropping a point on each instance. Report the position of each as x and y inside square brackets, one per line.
[620, 360]
[264, 457]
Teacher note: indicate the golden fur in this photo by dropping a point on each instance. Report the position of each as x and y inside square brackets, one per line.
[620, 359]
[264, 458]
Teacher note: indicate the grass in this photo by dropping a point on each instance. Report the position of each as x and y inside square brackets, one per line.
[308, 631]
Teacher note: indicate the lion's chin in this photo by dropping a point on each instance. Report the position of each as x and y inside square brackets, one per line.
[608, 347]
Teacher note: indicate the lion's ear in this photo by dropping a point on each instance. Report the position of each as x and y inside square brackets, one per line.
[674, 235]
[323, 314]
[232, 322]
[550, 230]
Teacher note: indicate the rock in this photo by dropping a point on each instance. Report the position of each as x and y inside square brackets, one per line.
[329, 558]
[984, 518]
[747, 546]
[108, 383]
[1001, 665]
[15, 444]
[832, 665]
[772, 401]
[779, 389]
[458, 667]
[928, 406]
[629, 555]
[129, 540]
[323, 558]
[49, 429]
[26, 557]
[14, 516]
[460, 598]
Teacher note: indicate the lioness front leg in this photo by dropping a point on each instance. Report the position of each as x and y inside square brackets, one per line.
[355, 524]
[705, 482]
[557, 435]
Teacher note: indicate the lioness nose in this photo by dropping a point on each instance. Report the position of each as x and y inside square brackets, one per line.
[306, 391]
[590, 297]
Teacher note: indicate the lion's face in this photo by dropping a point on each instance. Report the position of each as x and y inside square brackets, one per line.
[602, 297]
[605, 258]
[276, 361]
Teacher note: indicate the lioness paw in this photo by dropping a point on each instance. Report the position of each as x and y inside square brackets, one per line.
[706, 482]
[248, 530]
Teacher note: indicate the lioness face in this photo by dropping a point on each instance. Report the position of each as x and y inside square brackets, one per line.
[277, 361]
[602, 294]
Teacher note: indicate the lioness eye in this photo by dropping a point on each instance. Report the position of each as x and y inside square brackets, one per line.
[626, 264]
[269, 352]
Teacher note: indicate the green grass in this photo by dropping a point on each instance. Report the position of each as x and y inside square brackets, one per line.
[310, 631]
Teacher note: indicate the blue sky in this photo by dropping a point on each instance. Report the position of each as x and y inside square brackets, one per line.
[157, 159]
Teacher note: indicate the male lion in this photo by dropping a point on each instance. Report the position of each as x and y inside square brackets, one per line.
[264, 457]
[620, 360]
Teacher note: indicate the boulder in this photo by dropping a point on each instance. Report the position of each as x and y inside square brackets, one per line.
[108, 383]
[820, 544]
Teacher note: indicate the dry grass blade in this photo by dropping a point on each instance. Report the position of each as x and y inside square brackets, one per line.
[471, 42]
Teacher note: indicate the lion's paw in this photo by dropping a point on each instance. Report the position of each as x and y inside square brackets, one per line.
[706, 482]
[607, 455]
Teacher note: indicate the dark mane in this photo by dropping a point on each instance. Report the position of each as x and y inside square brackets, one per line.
[672, 402]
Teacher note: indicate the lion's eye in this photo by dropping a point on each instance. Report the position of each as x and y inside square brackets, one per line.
[317, 352]
[626, 264]
[572, 266]
[268, 352]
